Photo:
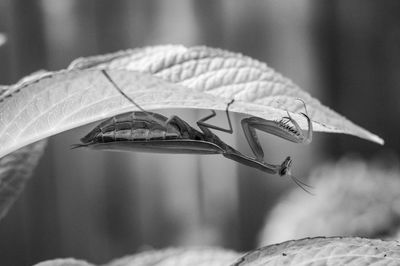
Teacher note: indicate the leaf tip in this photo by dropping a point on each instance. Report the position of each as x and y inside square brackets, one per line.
[378, 140]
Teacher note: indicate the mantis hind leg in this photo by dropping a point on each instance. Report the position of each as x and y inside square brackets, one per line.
[205, 126]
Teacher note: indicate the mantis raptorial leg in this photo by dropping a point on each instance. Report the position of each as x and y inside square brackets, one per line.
[279, 128]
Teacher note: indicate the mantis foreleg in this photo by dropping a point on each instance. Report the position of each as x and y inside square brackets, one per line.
[278, 128]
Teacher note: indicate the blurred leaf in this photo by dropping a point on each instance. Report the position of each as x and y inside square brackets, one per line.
[15, 170]
[325, 251]
[311, 251]
[349, 201]
[171, 256]
[3, 39]
[179, 257]
[227, 75]
[64, 262]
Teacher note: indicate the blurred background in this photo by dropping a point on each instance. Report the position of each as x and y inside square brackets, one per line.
[97, 206]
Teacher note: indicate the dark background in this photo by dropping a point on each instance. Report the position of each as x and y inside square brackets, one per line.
[98, 206]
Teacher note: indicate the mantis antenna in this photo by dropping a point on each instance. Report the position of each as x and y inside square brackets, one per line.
[123, 93]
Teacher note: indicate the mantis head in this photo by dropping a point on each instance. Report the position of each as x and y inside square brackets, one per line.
[286, 171]
[285, 167]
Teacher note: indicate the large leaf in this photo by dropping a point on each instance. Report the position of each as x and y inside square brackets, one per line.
[63, 100]
[228, 75]
[68, 99]
[325, 251]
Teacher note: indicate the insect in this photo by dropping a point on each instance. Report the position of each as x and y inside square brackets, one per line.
[152, 132]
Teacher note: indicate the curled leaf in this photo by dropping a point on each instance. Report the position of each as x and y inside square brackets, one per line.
[177, 77]
[68, 99]
[228, 75]
[56, 102]
[325, 251]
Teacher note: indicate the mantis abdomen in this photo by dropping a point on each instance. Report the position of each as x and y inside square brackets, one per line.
[147, 132]
[132, 126]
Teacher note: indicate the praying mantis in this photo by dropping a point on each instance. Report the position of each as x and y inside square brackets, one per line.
[152, 132]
